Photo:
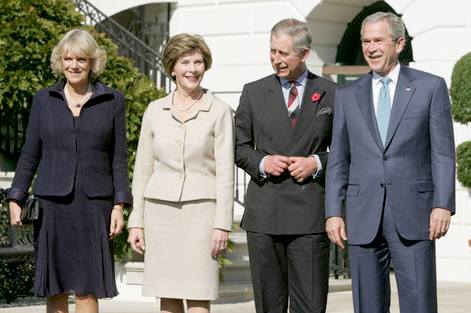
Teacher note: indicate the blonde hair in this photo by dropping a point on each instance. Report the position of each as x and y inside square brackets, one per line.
[182, 44]
[80, 43]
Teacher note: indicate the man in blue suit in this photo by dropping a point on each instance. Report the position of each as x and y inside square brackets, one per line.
[391, 171]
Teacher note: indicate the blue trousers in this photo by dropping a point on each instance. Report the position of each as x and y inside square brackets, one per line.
[414, 267]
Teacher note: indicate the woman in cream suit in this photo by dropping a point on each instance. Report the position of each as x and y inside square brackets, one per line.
[183, 184]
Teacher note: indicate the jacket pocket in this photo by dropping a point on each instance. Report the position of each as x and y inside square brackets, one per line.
[425, 185]
[353, 190]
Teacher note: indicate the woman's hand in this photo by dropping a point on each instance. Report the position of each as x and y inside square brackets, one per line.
[219, 241]
[117, 220]
[15, 213]
[136, 240]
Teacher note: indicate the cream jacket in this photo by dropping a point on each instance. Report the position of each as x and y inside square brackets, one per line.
[185, 161]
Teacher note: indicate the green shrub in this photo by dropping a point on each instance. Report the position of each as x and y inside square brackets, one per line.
[28, 31]
[463, 157]
[460, 89]
[16, 278]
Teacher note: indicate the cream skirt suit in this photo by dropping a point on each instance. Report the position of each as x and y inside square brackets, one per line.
[183, 188]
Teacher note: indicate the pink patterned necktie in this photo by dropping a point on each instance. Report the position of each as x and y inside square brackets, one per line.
[293, 93]
[293, 110]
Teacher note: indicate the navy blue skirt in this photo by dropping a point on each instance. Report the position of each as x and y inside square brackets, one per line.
[73, 254]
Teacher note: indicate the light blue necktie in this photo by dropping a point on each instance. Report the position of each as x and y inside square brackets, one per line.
[383, 111]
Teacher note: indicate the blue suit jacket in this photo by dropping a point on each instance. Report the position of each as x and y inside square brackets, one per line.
[57, 151]
[415, 168]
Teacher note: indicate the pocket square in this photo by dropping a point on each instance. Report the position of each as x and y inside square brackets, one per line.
[324, 111]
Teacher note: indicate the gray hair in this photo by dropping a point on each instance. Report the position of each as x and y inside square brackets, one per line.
[396, 24]
[296, 29]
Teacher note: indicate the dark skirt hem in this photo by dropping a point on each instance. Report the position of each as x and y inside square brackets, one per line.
[71, 292]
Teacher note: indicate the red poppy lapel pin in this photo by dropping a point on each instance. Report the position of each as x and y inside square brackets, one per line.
[315, 97]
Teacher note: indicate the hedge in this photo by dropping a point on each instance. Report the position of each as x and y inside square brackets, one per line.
[460, 92]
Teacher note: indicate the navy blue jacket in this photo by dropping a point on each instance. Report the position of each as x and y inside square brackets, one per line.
[57, 151]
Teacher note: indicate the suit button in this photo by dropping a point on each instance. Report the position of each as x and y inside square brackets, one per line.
[385, 157]
[381, 185]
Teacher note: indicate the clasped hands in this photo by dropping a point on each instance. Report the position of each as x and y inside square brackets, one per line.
[300, 168]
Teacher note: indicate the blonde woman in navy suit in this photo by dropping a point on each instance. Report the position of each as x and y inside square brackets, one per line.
[183, 184]
[76, 142]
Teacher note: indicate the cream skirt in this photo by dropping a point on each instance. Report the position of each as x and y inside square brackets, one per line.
[177, 261]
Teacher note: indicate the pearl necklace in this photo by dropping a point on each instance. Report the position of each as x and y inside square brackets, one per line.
[183, 108]
[85, 98]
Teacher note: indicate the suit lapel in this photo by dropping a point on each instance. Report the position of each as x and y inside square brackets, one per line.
[276, 109]
[404, 91]
[308, 110]
[365, 104]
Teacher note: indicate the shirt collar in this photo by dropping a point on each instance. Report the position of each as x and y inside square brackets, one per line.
[100, 89]
[301, 80]
[393, 74]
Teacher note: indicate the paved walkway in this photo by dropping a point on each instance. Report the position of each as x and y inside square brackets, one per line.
[452, 298]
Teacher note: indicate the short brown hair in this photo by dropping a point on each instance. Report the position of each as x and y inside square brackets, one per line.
[82, 44]
[182, 44]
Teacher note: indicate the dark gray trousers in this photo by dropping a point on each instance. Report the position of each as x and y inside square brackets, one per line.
[289, 266]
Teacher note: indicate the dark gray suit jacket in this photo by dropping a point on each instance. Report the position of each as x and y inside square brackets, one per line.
[57, 151]
[415, 168]
[280, 205]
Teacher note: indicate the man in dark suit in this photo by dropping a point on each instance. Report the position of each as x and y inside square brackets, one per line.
[392, 165]
[283, 130]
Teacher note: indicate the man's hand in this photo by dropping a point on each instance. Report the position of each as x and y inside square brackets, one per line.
[335, 228]
[275, 165]
[302, 168]
[439, 223]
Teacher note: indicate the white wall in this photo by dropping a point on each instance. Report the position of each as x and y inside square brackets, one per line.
[112, 7]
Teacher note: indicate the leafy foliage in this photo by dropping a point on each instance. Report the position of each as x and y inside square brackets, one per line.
[28, 31]
[463, 157]
[460, 90]
[16, 278]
